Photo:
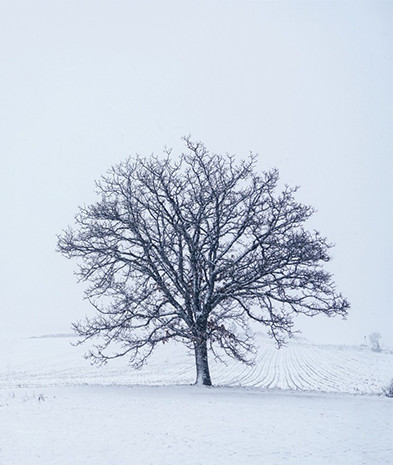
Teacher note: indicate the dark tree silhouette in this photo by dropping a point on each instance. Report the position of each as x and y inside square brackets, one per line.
[194, 250]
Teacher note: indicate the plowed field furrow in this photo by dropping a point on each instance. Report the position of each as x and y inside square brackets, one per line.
[320, 367]
[296, 381]
[262, 366]
[230, 375]
[304, 380]
[292, 371]
[244, 377]
[338, 374]
[275, 371]
[340, 359]
[268, 374]
[312, 370]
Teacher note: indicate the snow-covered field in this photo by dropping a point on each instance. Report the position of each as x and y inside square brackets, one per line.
[53, 361]
[295, 406]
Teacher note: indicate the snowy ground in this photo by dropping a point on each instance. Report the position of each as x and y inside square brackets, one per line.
[57, 409]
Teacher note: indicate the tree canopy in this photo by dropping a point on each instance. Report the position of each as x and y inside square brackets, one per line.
[195, 248]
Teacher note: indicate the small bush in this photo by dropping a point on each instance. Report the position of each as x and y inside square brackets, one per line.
[389, 389]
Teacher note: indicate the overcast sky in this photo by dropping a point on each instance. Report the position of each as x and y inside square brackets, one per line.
[84, 84]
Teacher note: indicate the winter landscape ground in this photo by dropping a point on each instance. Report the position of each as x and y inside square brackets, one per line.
[305, 404]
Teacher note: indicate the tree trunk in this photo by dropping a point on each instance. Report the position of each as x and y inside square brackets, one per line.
[202, 364]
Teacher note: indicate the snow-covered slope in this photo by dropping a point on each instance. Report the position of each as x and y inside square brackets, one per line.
[302, 366]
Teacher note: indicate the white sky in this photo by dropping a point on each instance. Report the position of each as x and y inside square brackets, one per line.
[84, 84]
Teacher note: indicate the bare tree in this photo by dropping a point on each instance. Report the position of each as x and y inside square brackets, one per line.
[194, 250]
